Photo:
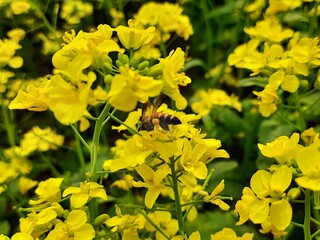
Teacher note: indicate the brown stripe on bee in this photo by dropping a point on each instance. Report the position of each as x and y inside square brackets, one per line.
[166, 118]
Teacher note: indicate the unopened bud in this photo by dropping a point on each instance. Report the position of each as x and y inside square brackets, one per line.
[294, 193]
[101, 218]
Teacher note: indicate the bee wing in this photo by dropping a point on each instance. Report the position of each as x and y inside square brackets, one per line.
[158, 101]
[147, 109]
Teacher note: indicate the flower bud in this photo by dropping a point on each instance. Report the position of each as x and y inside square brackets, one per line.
[294, 193]
[101, 218]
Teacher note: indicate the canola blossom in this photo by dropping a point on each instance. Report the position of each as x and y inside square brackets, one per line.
[141, 120]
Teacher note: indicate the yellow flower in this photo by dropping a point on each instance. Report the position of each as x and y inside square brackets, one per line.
[75, 228]
[308, 162]
[8, 48]
[20, 6]
[152, 181]
[72, 11]
[164, 222]
[270, 30]
[22, 236]
[129, 87]
[87, 190]
[283, 149]
[167, 17]
[204, 100]
[25, 184]
[40, 139]
[124, 183]
[269, 100]
[172, 79]
[48, 191]
[229, 234]
[215, 199]
[132, 37]
[276, 6]
[243, 52]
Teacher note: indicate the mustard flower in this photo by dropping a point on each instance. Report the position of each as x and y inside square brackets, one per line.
[87, 190]
[269, 29]
[9, 174]
[305, 50]
[129, 87]
[25, 184]
[164, 221]
[167, 17]
[193, 236]
[308, 162]
[130, 154]
[4, 77]
[309, 135]
[21, 236]
[152, 180]
[132, 37]
[215, 199]
[204, 100]
[48, 191]
[269, 100]
[190, 156]
[124, 183]
[276, 6]
[267, 196]
[67, 102]
[126, 224]
[243, 52]
[172, 79]
[229, 234]
[19, 6]
[40, 139]
[8, 48]
[117, 17]
[283, 149]
[38, 223]
[74, 227]
[255, 8]
[32, 97]
[94, 46]
[73, 11]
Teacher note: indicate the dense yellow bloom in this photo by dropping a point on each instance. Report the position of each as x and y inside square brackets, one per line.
[8, 48]
[20, 6]
[167, 17]
[163, 221]
[41, 140]
[283, 149]
[87, 190]
[229, 234]
[75, 227]
[4, 77]
[132, 37]
[270, 30]
[276, 6]
[129, 87]
[48, 191]
[152, 180]
[269, 100]
[126, 224]
[308, 162]
[25, 184]
[205, 100]
[172, 79]
[93, 46]
[73, 10]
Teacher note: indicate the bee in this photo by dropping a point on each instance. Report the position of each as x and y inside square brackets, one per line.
[150, 117]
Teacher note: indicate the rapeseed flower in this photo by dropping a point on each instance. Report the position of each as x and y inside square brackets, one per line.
[283, 149]
[308, 162]
[269, 100]
[8, 48]
[215, 199]
[229, 234]
[163, 220]
[81, 195]
[48, 191]
[152, 180]
[75, 227]
[73, 11]
[132, 37]
[128, 87]
[25, 184]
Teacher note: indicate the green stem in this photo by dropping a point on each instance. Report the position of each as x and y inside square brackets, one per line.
[8, 123]
[301, 114]
[177, 197]
[130, 129]
[80, 153]
[95, 140]
[79, 137]
[307, 215]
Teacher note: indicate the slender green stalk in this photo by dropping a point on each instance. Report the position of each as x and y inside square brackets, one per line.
[301, 114]
[79, 137]
[95, 141]
[80, 152]
[153, 224]
[177, 197]
[307, 215]
[131, 130]
[8, 122]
